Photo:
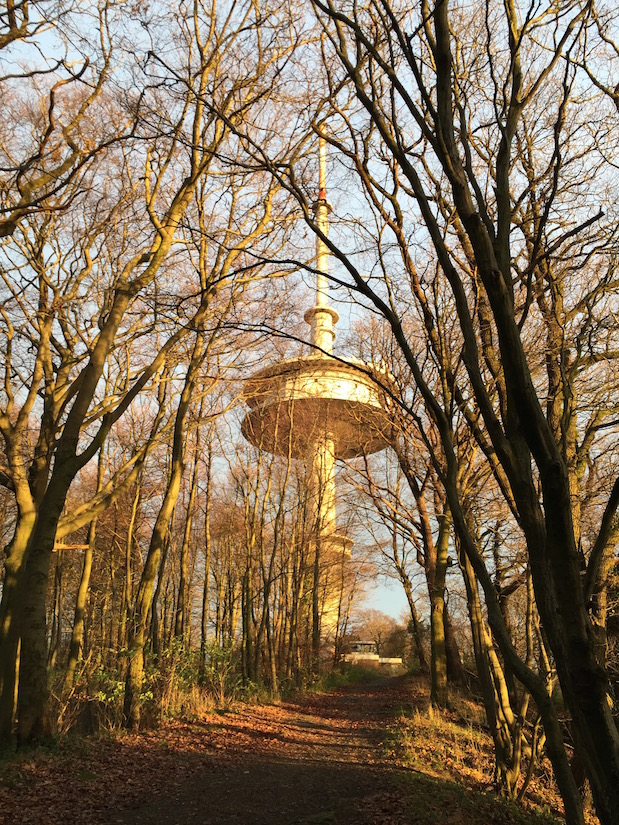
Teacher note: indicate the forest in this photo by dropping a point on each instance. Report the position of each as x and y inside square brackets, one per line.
[159, 246]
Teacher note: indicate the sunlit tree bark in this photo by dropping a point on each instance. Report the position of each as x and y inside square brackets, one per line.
[121, 236]
[470, 139]
[498, 264]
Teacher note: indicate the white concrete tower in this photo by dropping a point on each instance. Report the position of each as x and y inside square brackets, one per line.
[319, 408]
[322, 320]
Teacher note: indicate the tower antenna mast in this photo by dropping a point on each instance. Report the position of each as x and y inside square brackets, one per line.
[321, 317]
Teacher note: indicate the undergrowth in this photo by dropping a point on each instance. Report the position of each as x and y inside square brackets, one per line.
[177, 683]
[432, 800]
[450, 760]
[351, 674]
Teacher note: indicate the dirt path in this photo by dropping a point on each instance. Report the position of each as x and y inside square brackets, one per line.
[319, 759]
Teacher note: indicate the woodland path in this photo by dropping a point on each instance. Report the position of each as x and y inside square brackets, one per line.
[315, 760]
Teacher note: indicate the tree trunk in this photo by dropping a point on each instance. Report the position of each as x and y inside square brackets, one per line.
[57, 605]
[127, 597]
[159, 540]
[35, 720]
[316, 605]
[504, 769]
[11, 608]
[455, 669]
[207, 560]
[183, 611]
[436, 584]
[421, 656]
[247, 641]
[77, 634]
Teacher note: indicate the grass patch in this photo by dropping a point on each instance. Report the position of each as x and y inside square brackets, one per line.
[448, 761]
[353, 674]
[432, 742]
[431, 800]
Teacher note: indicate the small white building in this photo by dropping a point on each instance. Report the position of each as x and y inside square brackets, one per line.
[365, 652]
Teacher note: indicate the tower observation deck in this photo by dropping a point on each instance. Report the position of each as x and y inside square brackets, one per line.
[318, 407]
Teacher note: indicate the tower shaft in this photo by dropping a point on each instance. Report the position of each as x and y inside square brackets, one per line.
[323, 483]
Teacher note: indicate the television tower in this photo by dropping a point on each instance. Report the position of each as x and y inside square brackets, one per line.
[319, 408]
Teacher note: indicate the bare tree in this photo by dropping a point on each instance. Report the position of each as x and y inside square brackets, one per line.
[479, 152]
[486, 155]
[123, 226]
